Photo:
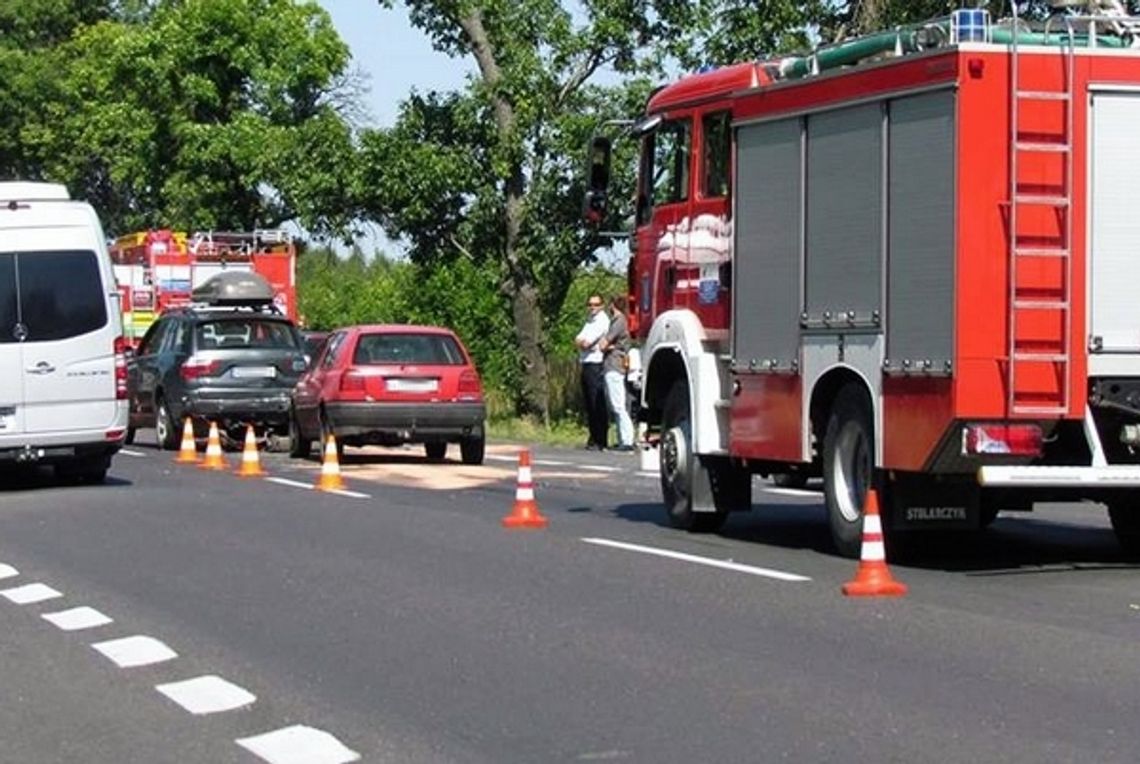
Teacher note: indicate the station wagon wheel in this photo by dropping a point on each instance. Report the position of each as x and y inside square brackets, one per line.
[435, 451]
[165, 429]
[299, 446]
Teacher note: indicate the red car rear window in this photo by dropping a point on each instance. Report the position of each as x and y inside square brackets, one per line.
[426, 349]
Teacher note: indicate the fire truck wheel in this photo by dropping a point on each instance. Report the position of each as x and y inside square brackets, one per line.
[299, 446]
[848, 468]
[164, 428]
[1126, 525]
[683, 475]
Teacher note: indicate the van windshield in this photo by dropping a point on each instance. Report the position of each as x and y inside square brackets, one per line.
[50, 295]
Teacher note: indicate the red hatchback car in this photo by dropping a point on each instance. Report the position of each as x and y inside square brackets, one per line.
[391, 384]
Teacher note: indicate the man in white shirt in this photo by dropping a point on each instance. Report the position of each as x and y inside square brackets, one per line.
[593, 379]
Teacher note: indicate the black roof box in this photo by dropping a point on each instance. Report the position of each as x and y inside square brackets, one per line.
[234, 288]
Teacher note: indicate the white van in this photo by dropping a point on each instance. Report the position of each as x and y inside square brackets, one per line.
[63, 371]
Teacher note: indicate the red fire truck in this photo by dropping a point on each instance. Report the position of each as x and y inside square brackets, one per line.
[905, 261]
[157, 269]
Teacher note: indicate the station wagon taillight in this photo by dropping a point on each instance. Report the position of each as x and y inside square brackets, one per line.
[120, 347]
[469, 385]
[195, 368]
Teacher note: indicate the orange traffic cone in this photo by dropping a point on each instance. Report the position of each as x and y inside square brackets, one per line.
[188, 451]
[525, 513]
[250, 466]
[330, 479]
[214, 459]
[873, 578]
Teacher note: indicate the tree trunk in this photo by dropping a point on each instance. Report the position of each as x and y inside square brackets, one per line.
[534, 398]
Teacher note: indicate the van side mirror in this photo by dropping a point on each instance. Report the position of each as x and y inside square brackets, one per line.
[594, 207]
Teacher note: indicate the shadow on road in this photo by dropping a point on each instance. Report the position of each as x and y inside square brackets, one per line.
[1011, 546]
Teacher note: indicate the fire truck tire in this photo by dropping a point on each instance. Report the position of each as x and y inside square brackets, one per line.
[165, 430]
[299, 446]
[689, 481]
[1126, 525]
[848, 468]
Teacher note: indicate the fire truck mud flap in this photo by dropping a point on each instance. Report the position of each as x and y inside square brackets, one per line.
[920, 502]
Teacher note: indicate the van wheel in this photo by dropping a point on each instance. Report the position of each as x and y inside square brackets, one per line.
[689, 482]
[165, 430]
[848, 468]
[91, 469]
[299, 446]
[471, 449]
[435, 451]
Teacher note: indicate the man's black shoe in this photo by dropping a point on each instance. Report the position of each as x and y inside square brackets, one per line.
[593, 447]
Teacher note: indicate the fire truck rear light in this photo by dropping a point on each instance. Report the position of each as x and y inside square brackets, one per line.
[120, 350]
[1009, 439]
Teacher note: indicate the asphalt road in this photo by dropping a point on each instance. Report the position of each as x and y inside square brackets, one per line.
[402, 623]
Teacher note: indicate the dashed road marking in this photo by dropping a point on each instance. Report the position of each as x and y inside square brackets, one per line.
[723, 564]
[299, 745]
[600, 468]
[207, 694]
[135, 651]
[129, 452]
[77, 618]
[7, 571]
[351, 494]
[26, 595]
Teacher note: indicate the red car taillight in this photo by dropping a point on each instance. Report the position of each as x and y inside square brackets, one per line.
[120, 348]
[195, 368]
[352, 382]
[469, 384]
[1011, 439]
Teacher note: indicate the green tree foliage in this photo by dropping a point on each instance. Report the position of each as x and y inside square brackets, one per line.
[495, 173]
[180, 113]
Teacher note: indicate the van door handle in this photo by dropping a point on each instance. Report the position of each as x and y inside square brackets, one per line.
[43, 367]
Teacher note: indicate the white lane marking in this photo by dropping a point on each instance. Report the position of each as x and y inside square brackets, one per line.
[793, 492]
[299, 745]
[725, 564]
[7, 571]
[129, 452]
[287, 481]
[77, 618]
[307, 486]
[600, 468]
[135, 651]
[206, 694]
[497, 458]
[647, 473]
[26, 595]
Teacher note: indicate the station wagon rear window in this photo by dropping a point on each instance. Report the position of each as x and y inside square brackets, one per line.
[427, 349]
[50, 296]
[244, 333]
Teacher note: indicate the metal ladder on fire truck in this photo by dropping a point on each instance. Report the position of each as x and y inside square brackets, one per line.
[1026, 353]
[1032, 252]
